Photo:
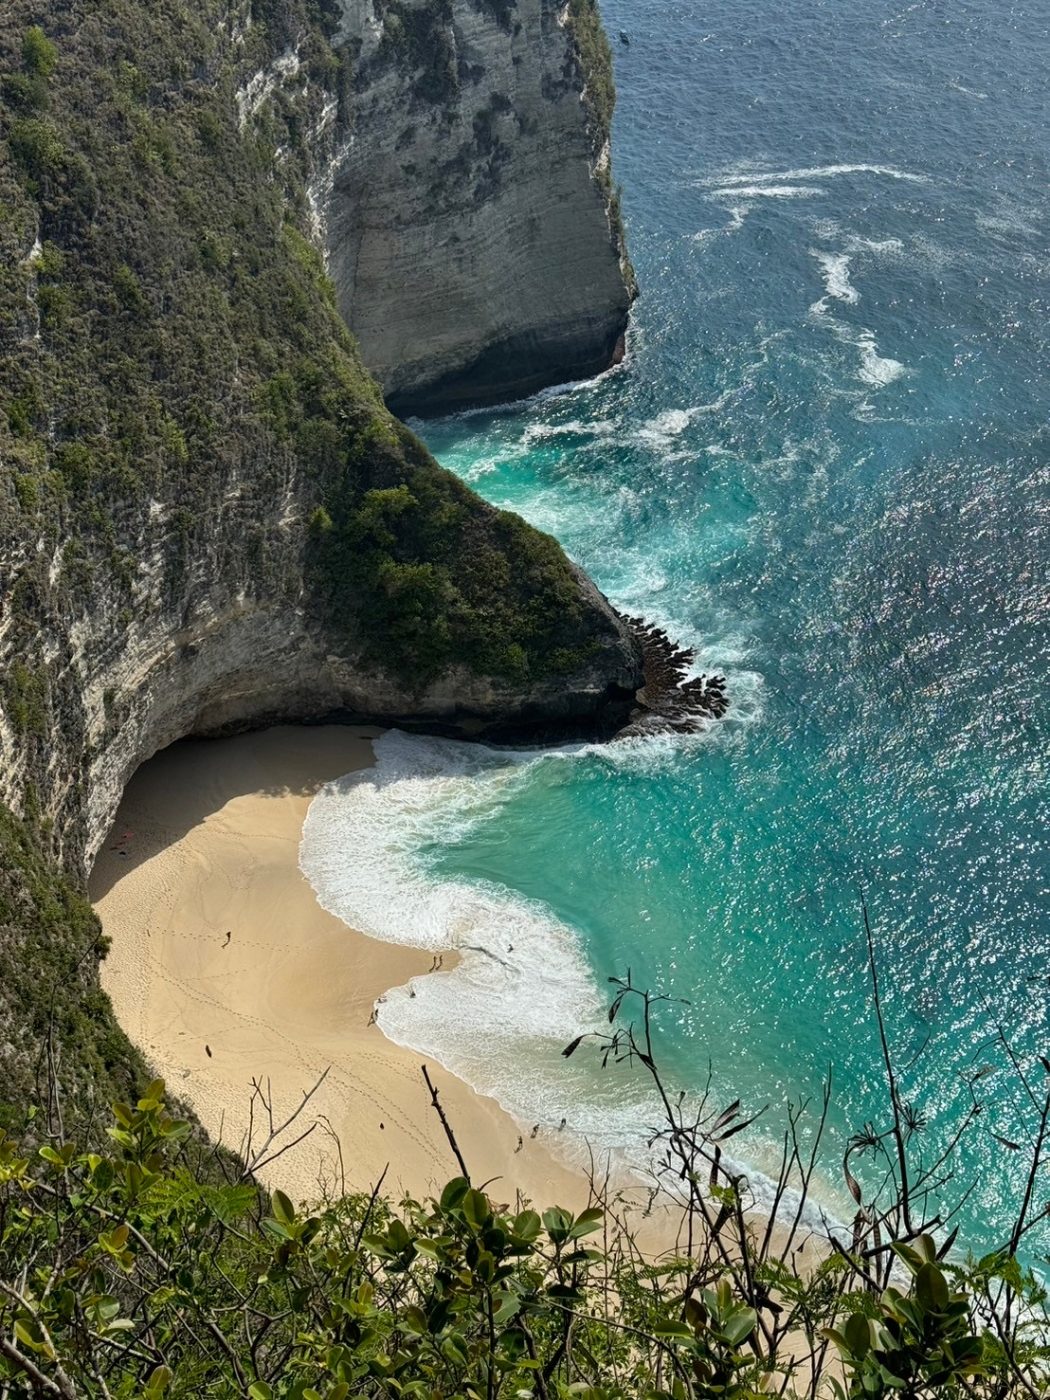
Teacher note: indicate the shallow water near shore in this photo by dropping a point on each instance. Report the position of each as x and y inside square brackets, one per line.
[825, 466]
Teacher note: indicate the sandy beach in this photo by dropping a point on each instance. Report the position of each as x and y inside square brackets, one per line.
[224, 969]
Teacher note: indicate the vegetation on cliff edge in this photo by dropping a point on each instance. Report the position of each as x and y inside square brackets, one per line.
[131, 1272]
[57, 1032]
[168, 336]
[599, 95]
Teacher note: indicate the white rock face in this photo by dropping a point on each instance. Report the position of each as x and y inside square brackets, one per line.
[467, 221]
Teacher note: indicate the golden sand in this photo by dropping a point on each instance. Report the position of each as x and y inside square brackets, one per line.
[225, 970]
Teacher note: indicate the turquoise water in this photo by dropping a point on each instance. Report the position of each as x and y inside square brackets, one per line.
[825, 466]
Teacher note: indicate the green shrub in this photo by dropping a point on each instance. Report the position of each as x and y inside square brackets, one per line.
[76, 464]
[25, 694]
[39, 54]
[592, 45]
[37, 146]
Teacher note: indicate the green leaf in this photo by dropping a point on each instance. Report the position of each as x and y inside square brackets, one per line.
[509, 1306]
[159, 1380]
[557, 1223]
[415, 1320]
[931, 1288]
[454, 1192]
[527, 1225]
[739, 1325]
[29, 1335]
[476, 1208]
[454, 1349]
[834, 1335]
[153, 1097]
[259, 1390]
[116, 1239]
[586, 1223]
[857, 1335]
[673, 1331]
[282, 1208]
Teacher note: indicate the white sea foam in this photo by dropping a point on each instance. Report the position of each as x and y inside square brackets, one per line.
[737, 216]
[956, 86]
[882, 246]
[749, 175]
[661, 431]
[767, 191]
[835, 267]
[540, 432]
[873, 368]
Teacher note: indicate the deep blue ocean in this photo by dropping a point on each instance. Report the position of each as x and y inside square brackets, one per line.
[825, 466]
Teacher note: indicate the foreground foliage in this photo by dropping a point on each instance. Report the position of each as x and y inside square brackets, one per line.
[149, 1271]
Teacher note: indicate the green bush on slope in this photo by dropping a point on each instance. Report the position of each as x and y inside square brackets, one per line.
[56, 1023]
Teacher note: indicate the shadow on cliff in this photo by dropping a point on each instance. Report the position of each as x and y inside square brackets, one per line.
[195, 779]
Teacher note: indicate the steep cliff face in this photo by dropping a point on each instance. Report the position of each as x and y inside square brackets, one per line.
[472, 230]
[208, 519]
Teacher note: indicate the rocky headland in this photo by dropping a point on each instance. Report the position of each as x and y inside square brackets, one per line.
[209, 520]
[472, 229]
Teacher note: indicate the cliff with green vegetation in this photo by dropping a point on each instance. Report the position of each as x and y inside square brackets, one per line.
[208, 518]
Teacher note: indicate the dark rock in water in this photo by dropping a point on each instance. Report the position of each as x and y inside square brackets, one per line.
[669, 702]
[625, 38]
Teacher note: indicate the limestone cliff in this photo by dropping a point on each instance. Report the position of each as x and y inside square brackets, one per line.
[465, 201]
[207, 517]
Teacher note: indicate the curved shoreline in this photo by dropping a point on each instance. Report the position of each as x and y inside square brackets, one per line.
[223, 968]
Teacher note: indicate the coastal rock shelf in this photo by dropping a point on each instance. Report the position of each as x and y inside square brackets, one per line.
[669, 701]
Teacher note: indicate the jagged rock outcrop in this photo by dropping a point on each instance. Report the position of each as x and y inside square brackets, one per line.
[473, 234]
[208, 518]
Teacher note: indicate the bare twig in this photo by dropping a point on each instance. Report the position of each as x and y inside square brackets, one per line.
[436, 1103]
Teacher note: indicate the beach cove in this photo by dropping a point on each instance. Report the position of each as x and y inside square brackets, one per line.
[224, 969]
